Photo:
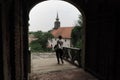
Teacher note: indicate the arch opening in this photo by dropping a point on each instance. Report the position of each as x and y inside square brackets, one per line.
[53, 14]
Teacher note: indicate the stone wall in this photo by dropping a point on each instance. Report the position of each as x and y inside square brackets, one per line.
[101, 38]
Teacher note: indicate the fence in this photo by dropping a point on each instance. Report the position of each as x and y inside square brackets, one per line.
[72, 55]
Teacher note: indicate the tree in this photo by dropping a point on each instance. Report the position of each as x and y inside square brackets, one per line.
[77, 33]
[35, 46]
[41, 43]
[44, 39]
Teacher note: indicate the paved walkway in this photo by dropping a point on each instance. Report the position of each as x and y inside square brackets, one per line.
[44, 67]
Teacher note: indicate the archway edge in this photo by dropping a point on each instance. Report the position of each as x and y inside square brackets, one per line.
[76, 4]
[32, 3]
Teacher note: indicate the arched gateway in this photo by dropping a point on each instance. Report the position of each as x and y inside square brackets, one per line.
[101, 40]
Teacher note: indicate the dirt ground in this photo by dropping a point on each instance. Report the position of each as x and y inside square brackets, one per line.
[71, 74]
[45, 67]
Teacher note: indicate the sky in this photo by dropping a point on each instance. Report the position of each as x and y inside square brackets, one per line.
[43, 15]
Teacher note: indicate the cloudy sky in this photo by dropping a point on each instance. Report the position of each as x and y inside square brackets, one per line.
[43, 15]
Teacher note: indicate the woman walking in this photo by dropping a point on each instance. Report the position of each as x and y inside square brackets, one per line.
[59, 50]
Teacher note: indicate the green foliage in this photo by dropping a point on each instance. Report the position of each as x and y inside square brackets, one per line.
[37, 34]
[40, 45]
[80, 21]
[35, 46]
[79, 43]
[77, 34]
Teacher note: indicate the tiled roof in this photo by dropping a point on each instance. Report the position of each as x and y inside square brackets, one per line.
[65, 32]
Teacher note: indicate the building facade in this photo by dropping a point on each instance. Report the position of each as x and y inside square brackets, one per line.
[65, 32]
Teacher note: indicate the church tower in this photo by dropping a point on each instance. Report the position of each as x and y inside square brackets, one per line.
[57, 23]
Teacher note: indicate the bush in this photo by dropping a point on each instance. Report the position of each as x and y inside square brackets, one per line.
[35, 46]
[40, 44]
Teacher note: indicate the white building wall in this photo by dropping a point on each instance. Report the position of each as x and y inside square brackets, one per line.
[52, 42]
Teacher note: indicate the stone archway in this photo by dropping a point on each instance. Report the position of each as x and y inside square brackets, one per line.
[101, 37]
[1, 51]
[98, 15]
[83, 15]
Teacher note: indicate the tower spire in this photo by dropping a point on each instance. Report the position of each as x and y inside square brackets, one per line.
[57, 18]
[57, 22]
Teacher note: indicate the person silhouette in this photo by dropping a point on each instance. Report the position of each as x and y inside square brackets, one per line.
[59, 50]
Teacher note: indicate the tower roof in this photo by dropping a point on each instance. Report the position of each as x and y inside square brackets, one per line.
[57, 23]
[57, 18]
